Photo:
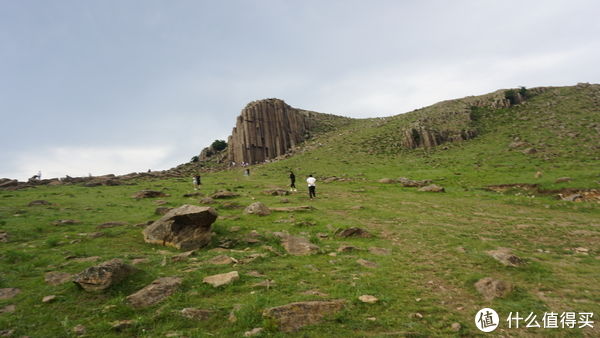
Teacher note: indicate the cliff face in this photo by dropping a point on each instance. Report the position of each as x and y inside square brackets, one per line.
[266, 129]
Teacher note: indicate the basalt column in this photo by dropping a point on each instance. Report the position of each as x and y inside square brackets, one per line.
[266, 129]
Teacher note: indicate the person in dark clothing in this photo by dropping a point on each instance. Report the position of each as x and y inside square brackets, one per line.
[196, 182]
[292, 181]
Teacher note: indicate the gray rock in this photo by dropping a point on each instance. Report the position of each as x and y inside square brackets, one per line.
[491, 288]
[187, 228]
[222, 279]
[8, 293]
[149, 194]
[103, 276]
[297, 246]
[353, 232]
[432, 188]
[224, 194]
[505, 256]
[196, 314]
[57, 278]
[292, 317]
[257, 208]
[154, 293]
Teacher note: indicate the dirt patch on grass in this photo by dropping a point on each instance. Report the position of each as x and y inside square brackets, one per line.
[566, 194]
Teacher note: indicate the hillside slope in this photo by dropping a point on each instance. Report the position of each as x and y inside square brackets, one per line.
[425, 255]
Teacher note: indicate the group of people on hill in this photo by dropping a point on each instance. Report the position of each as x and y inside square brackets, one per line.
[311, 181]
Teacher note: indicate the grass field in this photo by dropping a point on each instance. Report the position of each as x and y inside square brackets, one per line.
[438, 241]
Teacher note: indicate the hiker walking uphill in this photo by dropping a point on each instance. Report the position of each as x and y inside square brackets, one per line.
[292, 181]
[311, 186]
[196, 181]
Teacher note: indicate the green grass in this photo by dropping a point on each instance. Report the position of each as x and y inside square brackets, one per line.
[426, 272]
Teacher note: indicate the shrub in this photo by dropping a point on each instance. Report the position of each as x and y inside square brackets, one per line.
[219, 145]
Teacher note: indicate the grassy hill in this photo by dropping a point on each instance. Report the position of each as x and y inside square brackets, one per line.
[438, 242]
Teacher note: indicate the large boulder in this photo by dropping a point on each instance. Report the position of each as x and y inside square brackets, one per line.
[258, 208]
[103, 276]
[154, 293]
[186, 228]
[292, 317]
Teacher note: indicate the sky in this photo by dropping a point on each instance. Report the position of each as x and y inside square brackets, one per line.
[113, 86]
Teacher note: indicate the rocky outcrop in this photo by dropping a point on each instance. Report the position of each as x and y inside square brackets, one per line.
[267, 129]
[186, 228]
[103, 276]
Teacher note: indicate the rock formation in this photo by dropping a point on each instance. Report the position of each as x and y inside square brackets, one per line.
[266, 129]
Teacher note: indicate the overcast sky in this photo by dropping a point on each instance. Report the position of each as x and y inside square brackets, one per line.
[120, 86]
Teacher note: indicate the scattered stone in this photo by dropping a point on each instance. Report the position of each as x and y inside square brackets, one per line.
[257, 208]
[581, 250]
[222, 279]
[95, 234]
[368, 299]
[407, 182]
[366, 263]
[491, 288]
[417, 315]
[293, 209]
[193, 194]
[529, 151]
[110, 225]
[380, 251]
[48, 299]
[65, 222]
[538, 174]
[347, 248]
[276, 192]
[3, 236]
[284, 200]
[386, 181]
[183, 256]
[207, 200]
[315, 293]
[222, 260]
[103, 276]
[84, 259]
[154, 293]
[232, 317]
[518, 144]
[254, 332]
[353, 232]
[7, 332]
[255, 274]
[224, 194]
[322, 235]
[39, 202]
[455, 327]
[505, 256]
[357, 207]
[432, 188]
[8, 309]
[267, 283]
[137, 261]
[8, 293]
[123, 324]
[160, 202]
[149, 194]
[196, 314]
[162, 210]
[79, 330]
[563, 180]
[292, 317]
[57, 278]
[297, 246]
[571, 197]
[186, 228]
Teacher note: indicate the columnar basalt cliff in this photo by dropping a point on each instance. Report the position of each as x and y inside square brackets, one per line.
[267, 129]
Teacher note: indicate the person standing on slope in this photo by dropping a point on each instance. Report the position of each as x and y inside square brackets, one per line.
[196, 182]
[292, 181]
[311, 186]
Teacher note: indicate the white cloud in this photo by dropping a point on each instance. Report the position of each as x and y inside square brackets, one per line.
[81, 161]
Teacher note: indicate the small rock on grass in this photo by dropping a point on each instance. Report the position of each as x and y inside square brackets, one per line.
[8, 308]
[222, 279]
[366, 263]
[380, 251]
[491, 288]
[368, 299]
[8, 293]
[57, 278]
[455, 327]
[49, 299]
[154, 293]
[253, 332]
[79, 330]
[120, 325]
[196, 314]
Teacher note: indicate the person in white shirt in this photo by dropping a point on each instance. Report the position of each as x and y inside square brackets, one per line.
[311, 186]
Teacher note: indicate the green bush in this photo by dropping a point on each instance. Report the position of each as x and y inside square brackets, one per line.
[219, 145]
